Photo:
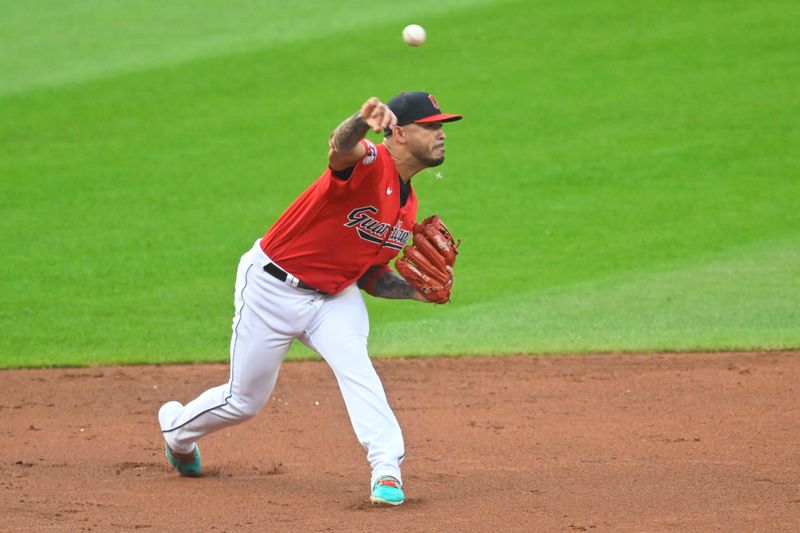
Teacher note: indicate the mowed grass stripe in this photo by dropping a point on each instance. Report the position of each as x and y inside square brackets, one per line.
[50, 43]
[739, 300]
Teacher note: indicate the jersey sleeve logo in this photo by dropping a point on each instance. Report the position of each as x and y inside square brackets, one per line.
[372, 152]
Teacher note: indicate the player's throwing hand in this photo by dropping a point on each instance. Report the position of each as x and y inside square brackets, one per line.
[377, 115]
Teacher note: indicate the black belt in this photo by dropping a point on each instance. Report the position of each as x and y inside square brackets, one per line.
[275, 271]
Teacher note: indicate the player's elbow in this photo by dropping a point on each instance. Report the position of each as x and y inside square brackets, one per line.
[342, 160]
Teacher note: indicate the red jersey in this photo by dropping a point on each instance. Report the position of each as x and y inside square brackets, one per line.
[337, 229]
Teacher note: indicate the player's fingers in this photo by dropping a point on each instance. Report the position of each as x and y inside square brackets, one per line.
[389, 120]
[378, 111]
[368, 108]
[382, 110]
[378, 117]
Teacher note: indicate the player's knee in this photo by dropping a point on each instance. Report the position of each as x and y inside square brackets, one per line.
[361, 375]
[245, 407]
[351, 359]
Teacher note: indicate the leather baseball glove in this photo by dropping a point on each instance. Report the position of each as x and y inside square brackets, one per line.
[424, 262]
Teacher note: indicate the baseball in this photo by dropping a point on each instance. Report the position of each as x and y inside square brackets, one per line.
[414, 34]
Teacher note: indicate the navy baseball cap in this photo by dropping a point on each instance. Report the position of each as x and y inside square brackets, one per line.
[418, 106]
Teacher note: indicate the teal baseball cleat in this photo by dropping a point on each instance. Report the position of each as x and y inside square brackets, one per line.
[187, 464]
[387, 490]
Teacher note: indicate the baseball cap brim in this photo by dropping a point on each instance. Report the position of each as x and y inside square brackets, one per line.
[441, 117]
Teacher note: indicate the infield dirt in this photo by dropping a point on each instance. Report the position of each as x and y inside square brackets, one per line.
[661, 442]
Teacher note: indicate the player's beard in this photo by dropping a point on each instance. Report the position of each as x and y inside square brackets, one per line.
[428, 160]
[433, 161]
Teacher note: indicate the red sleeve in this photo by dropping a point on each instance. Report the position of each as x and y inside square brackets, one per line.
[345, 174]
[367, 281]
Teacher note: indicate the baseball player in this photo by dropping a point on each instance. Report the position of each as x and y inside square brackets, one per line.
[302, 280]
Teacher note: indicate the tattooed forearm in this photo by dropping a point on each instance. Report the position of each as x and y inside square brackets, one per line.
[390, 285]
[348, 134]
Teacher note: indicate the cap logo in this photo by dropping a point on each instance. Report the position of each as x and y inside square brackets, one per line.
[433, 101]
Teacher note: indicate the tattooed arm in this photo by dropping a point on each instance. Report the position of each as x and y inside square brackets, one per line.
[390, 285]
[345, 146]
[383, 282]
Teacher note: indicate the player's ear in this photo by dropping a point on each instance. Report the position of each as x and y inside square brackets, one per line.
[399, 134]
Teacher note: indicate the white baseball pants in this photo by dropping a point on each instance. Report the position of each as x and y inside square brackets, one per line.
[269, 315]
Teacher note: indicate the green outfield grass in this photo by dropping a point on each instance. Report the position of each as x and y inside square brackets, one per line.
[627, 176]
